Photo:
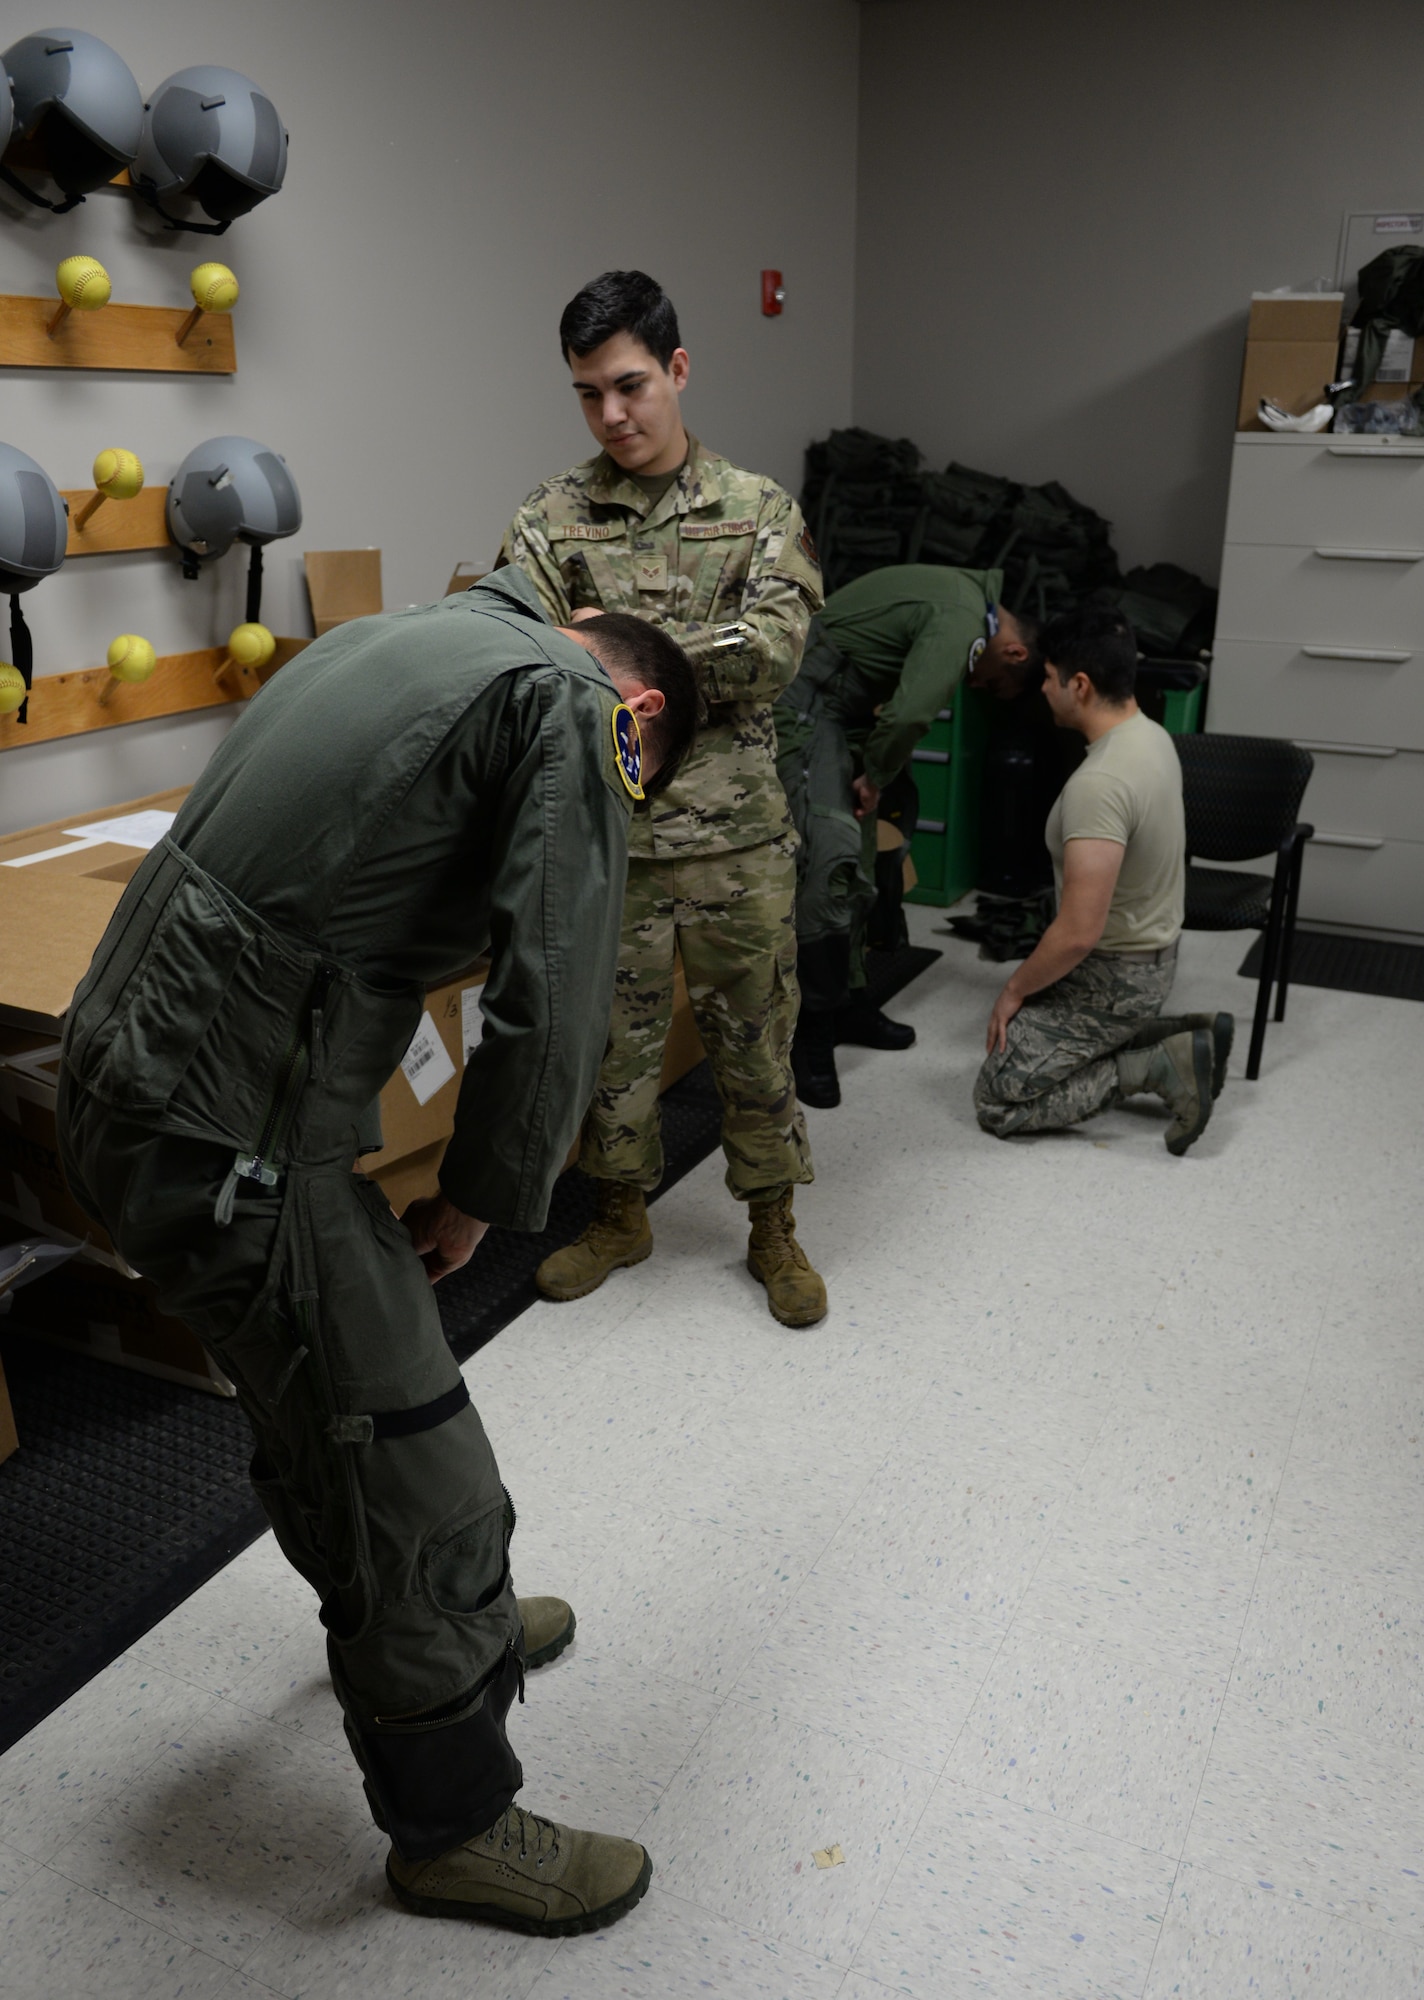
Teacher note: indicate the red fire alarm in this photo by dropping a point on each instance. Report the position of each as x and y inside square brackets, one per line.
[773, 292]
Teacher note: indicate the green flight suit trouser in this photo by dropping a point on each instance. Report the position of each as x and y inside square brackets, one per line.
[1060, 1064]
[371, 1462]
[818, 753]
[730, 917]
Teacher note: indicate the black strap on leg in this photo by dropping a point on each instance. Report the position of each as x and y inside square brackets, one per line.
[383, 1424]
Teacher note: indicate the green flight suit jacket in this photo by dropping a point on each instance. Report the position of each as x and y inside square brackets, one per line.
[724, 564]
[413, 790]
[909, 632]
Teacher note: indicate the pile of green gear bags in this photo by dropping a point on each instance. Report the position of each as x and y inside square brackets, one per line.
[870, 502]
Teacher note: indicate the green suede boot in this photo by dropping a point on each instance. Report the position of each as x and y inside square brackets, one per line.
[1221, 1028]
[1179, 1072]
[528, 1874]
[619, 1234]
[549, 1626]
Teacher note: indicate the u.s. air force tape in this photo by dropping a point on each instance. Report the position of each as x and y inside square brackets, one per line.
[628, 748]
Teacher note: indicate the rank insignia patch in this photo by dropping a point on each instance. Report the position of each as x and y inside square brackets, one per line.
[628, 748]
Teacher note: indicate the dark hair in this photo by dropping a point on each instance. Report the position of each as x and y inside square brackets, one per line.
[633, 646]
[1029, 671]
[1095, 640]
[620, 302]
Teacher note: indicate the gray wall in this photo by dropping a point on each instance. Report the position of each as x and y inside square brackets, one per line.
[1064, 210]
[458, 168]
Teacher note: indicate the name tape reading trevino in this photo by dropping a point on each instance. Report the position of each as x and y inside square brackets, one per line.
[426, 1063]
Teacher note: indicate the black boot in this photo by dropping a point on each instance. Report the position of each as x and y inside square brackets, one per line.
[813, 1061]
[864, 1026]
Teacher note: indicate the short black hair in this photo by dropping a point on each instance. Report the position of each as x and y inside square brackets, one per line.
[1030, 668]
[1095, 640]
[620, 302]
[631, 644]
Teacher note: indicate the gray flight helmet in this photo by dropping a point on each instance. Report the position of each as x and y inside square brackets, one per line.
[77, 103]
[231, 489]
[34, 522]
[210, 135]
[7, 108]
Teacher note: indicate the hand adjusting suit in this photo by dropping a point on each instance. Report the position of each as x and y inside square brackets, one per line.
[415, 789]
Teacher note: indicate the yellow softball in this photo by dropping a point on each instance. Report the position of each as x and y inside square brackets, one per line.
[131, 658]
[251, 645]
[214, 288]
[12, 688]
[83, 283]
[118, 473]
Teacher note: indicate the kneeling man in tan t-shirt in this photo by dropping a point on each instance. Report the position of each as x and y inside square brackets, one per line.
[1079, 1025]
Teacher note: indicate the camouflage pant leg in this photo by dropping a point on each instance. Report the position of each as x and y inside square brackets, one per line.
[622, 1135]
[1060, 1064]
[738, 944]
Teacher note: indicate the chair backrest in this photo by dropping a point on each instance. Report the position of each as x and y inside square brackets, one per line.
[1242, 794]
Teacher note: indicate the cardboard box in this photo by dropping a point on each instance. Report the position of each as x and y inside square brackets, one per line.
[95, 1310]
[465, 574]
[1296, 316]
[33, 1191]
[343, 584]
[1401, 367]
[1295, 374]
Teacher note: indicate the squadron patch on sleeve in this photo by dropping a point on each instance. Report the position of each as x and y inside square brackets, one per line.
[808, 547]
[628, 748]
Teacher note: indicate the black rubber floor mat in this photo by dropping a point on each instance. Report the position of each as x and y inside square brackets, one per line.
[1385, 970]
[128, 1493]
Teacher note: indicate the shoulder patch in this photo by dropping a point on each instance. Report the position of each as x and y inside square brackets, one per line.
[628, 749]
[807, 546]
[797, 563]
[706, 531]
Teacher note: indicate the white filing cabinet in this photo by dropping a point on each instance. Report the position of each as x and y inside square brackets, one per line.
[1320, 637]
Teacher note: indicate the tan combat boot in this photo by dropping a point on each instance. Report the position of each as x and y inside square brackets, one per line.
[1221, 1028]
[794, 1292]
[619, 1234]
[549, 1626]
[528, 1874]
[1179, 1071]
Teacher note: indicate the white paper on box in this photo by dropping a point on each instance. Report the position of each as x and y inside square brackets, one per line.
[1397, 361]
[472, 1021]
[426, 1063]
[141, 829]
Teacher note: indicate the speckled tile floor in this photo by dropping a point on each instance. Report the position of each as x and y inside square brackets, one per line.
[1069, 1580]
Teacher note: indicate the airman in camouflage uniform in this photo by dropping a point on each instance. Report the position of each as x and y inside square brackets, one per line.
[719, 558]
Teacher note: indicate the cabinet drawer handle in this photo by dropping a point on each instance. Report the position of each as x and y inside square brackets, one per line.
[1355, 653]
[1372, 555]
[1347, 840]
[929, 756]
[1376, 451]
[945, 715]
[1343, 749]
[929, 826]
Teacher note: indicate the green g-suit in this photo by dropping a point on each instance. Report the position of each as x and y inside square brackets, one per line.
[413, 790]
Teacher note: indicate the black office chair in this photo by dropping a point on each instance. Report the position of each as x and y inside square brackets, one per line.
[1242, 794]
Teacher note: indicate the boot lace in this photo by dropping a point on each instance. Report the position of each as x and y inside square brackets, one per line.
[609, 1225]
[775, 1233]
[531, 1830]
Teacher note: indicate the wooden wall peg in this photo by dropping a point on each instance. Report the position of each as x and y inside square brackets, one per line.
[68, 704]
[138, 338]
[118, 475]
[141, 523]
[131, 662]
[83, 285]
[214, 290]
[249, 648]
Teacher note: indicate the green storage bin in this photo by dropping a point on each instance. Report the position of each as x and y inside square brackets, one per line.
[946, 768]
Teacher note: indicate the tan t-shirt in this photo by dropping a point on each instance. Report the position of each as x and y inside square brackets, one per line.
[1129, 788]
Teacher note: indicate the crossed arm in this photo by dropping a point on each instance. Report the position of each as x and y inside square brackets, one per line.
[1090, 872]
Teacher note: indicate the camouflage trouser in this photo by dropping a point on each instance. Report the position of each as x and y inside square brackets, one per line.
[730, 917]
[1060, 1064]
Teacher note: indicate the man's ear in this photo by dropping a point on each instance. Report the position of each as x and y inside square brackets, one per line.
[679, 367]
[646, 703]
